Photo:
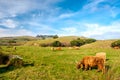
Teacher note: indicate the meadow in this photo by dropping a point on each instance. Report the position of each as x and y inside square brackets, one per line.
[60, 65]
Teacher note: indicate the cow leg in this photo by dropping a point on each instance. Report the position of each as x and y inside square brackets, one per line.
[100, 68]
[86, 67]
[90, 68]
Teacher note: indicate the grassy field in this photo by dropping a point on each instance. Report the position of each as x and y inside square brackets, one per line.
[60, 65]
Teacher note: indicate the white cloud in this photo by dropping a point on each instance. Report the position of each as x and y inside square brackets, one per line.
[97, 31]
[66, 15]
[13, 8]
[11, 33]
[92, 5]
[9, 23]
[69, 29]
[41, 26]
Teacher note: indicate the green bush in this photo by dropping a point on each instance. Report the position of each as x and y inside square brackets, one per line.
[56, 44]
[116, 44]
[11, 41]
[79, 42]
[90, 40]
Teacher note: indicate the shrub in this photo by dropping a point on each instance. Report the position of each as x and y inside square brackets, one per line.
[74, 43]
[90, 40]
[56, 44]
[77, 42]
[11, 41]
[81, 42]
[116, 44]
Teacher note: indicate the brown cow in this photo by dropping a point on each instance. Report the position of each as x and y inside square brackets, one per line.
[74, 47]
[89, 62]
[116, 47]
[56, 48]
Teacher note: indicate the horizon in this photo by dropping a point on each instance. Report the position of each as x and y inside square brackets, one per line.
[98, 19]
[59, 37]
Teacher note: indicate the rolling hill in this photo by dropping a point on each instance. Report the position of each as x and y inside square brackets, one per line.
[99, 44]
[63, 39]
[33, 41]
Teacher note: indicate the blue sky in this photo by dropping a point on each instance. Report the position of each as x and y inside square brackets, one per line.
[99, 19]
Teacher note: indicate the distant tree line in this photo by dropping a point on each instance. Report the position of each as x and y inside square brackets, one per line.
[47, 36]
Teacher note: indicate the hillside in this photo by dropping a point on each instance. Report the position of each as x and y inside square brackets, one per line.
[18, 40]
[99, 44]
[33, 41]
[63, 39]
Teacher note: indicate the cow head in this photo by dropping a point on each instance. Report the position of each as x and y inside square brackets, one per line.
[79, 65]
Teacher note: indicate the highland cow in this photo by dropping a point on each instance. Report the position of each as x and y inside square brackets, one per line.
[56, 48]
[116, 47]
[75, 47]
[90, 62]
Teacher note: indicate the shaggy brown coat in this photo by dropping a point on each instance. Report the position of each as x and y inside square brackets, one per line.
[89, 62]
[102, 55]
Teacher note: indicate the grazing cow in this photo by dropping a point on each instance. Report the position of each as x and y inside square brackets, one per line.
[75, 47]
[56, 48]
[89, 62]
[116, 47]
[102, 55]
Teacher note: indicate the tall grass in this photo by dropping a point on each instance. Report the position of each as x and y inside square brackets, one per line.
[60, 65]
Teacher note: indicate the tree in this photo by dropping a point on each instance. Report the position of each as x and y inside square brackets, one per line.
[90, 40]
[56, 44]
[116, 44]
[56, 36]
[79, 42]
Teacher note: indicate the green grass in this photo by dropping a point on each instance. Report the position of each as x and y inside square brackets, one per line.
[60, 65]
